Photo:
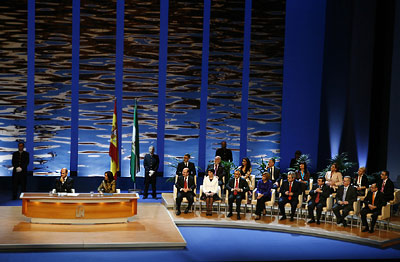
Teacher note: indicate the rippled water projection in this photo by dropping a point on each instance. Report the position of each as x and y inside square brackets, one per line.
[53, 56]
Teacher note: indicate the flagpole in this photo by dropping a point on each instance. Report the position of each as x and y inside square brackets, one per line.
[135, 154]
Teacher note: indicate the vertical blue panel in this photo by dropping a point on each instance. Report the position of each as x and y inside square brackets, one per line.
[119, 63]
[162, 79]
[204, 84]
[303, 60]
[245, 80]
[31, 82]
[76, 15]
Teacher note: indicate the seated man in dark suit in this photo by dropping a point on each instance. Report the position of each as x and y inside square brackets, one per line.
[64, 183]
[373, 204]
[274, 171]
[185, 186]
[219, 170]
[360, 181]
[186, 164]
[386, 186]
[237, 187]
[319, 193]
[345, 197]
[290, 190]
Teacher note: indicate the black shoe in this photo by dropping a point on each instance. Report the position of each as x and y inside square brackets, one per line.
[311, 221]
[371, 230]
[291, 219]
[283, 218]
[344, 223]
[339, 221]
[238, 217]
[230, 214]
[186, 210]
[366, 229]
[178, 212]
[318, 222]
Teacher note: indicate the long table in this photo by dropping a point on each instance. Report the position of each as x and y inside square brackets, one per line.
[79, 208]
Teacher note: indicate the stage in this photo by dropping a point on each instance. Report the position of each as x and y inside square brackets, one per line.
[152, 227]
[381, 239]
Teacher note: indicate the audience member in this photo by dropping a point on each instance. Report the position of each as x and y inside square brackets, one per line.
[237, 187]
[186, 164]
[303, 176]
[334, 178]
[20, 161]
[386, 186]
[345, 197]
[264, 187]
[361, 181]
[210, 190]
[290, 190]
[373, 204]
[224, 153]
[293, 161]
[185, 186]
[319, 194]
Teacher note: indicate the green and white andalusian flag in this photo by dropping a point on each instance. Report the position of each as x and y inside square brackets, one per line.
[135, 155]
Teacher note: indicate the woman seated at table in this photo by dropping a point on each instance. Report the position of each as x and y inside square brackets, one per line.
[264, 187]
[303, 176]
[108, 184]
[210, 190]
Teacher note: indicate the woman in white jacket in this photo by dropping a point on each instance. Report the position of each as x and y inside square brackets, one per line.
[210, 190]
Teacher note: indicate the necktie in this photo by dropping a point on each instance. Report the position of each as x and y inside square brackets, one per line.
[373, 198]
[216, 169]
[383, 186]
[236, 186]
[185, 184]
[290, 190]
[317, 198]
[344, 194]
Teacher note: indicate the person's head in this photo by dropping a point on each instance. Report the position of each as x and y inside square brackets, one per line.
[21, 146]
[303, 166]
[346, 181]
[185, 172]
[361, 171]
[297, 154]
[64, 172]
[246, 162]
[210, 173]
[334, 167]
[151, 149]
[237, 173]
[223, 144]
[384, 174]
[266, 176]
[321, 180]
[271, 162]
[217, 160]
[374, 188]
[291, 175]
[108, 176]
[186, 158]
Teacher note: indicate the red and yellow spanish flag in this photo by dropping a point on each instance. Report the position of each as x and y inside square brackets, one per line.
[113, 152]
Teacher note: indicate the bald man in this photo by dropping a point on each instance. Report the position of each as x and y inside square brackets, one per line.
[64, 184]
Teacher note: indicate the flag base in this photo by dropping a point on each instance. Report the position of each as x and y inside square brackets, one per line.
[134, 190]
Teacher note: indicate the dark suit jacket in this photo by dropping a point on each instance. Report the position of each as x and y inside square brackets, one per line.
[180, 183]
[296, 189]
[150, 163]
[276, 176]
[351, 194]
[378, 202]
[242, 185]
[225, 154]
[220, 171]
[364, 181]
[66, 187]
[181, 166]
[388, 191]
[20, 160]
[326, 191]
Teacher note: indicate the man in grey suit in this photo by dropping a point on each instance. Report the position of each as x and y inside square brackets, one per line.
[345, 197]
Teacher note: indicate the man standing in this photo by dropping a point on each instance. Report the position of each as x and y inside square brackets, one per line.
[64, 184]
[290, 191]
[20, 161]
[373, 204]
[224, 153]
[345, 197]
[386, 186]
[186, 164]
[237, 188]
[186, 187]
[150, 163]
[319, 193]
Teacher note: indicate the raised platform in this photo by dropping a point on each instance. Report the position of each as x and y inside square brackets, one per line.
[151, 228]
[379, 239]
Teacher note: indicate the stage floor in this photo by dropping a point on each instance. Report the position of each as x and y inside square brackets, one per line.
[151, 228]
[380, 239]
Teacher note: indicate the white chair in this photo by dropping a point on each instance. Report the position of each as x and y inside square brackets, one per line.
[326, 209]
[246, 198]
[355, 212]
[298, 207]
[216, 201]
[270, 203]
[384, 216]
[307, 192]
[184, 200]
